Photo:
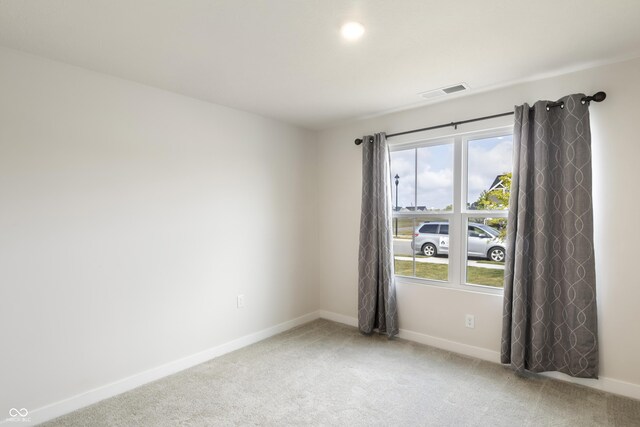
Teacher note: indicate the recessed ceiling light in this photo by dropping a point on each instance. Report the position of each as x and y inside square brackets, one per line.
[352, 31]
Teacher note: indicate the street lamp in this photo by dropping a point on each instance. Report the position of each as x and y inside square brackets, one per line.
[397, 180]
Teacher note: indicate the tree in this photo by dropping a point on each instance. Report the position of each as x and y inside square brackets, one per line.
[498, 198]
[495, 199]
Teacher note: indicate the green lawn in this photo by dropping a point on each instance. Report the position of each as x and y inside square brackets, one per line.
[424, 270]
[490, 262]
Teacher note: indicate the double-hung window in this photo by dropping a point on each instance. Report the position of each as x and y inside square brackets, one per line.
[450, 207]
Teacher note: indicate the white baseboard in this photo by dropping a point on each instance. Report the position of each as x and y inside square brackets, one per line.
[340, 318]
[456, 347]
[608, 385]
[453, 346]
[90, 397]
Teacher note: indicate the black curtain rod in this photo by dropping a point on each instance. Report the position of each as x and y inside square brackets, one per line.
[597, 97]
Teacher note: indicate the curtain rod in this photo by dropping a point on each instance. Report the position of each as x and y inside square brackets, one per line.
[597, 97]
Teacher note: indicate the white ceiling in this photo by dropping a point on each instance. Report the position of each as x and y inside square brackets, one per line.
[285, 58]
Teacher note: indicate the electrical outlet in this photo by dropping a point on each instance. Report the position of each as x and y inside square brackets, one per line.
[470, 321]
[240, 301]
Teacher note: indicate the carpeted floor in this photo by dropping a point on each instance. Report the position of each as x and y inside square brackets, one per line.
[324, 373]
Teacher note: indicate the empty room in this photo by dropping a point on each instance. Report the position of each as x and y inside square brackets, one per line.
[319, 212]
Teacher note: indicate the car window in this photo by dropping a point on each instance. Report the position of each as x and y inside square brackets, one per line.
[492, 231]
[429, 228]
[444, 229]
[477, 232]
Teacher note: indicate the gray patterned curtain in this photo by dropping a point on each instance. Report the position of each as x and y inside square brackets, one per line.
[376, 288]
[550, 319]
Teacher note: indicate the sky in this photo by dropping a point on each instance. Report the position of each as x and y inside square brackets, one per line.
[488, 158]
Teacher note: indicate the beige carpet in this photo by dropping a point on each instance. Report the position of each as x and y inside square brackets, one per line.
[324, 373]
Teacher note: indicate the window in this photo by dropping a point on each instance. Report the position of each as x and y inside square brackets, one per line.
[442, 187]
[429, 228]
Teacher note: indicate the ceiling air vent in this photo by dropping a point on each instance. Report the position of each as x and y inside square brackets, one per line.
[444, 91]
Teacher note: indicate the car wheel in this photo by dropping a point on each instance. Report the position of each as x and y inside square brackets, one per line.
[496, 254]
[429, 249]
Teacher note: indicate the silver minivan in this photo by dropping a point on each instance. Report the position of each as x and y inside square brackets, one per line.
[432, 238]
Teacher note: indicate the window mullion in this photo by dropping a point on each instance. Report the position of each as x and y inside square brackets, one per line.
[415, 183]
[415, 203]
[455, 251]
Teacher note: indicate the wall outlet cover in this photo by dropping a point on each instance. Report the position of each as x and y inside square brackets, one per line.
[470, 321]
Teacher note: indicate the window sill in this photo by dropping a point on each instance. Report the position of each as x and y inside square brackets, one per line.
[478, 289]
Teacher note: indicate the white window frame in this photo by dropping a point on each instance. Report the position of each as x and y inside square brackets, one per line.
[460, 214]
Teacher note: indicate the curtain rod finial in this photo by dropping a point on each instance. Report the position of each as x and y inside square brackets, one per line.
[360, 140]
[599, 96]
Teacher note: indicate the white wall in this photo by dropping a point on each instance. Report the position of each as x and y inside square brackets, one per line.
[439, 313]
[130, 219]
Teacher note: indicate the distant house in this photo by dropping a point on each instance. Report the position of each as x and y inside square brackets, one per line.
[411, 209]
[498, 184]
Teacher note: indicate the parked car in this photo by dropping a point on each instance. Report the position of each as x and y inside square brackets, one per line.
[432, 238]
